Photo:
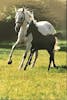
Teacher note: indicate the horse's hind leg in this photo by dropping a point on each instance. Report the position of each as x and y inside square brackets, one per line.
[12, 50]
[54, 62]
[51, 59]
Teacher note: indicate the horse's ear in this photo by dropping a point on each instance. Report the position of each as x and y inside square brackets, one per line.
[15, 9]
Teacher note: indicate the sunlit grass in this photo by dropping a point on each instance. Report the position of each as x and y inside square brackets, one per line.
[34, 83]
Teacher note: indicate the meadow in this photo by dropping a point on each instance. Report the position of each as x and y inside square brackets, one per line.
[35, 83]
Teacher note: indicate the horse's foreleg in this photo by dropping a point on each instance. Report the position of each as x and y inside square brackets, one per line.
[36, 56]
[28, 47]
[29, 59]
[12, 50]
[23, 59]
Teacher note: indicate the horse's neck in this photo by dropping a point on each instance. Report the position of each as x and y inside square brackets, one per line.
[24, 25]
[23, 29]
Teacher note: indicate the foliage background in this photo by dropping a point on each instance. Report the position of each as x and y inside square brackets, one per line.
[52, 10]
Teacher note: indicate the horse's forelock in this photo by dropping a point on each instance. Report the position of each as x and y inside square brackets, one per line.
[20, 10]
[25, 10]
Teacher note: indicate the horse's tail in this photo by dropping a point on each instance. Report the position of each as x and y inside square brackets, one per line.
[57, 35]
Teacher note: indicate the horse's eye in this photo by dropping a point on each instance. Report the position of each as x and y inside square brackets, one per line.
[21, 18]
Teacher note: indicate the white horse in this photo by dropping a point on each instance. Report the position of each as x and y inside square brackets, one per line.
[22, 19]
[21, 27]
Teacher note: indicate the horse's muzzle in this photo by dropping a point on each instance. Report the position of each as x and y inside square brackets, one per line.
[17, 28]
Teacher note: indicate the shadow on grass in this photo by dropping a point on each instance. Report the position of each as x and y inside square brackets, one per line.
[63, 48]
[60, 69]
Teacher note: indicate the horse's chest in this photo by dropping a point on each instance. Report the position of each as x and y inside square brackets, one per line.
[22, 34]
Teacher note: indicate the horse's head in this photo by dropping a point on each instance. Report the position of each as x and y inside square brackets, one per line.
[19, 18]
[22, 15]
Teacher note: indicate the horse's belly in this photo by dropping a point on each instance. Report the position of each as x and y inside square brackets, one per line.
[44, 42]
[45, 28]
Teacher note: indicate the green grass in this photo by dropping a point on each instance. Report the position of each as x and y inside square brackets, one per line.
[34, 83]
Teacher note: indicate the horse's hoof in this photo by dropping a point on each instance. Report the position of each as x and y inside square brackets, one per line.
[48, 69]
[10, 62]
[29, 63]
[25, 68]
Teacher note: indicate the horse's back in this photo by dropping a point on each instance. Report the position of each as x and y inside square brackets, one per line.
[45, 28]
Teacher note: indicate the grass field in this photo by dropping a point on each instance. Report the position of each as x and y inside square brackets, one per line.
[34, 83]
